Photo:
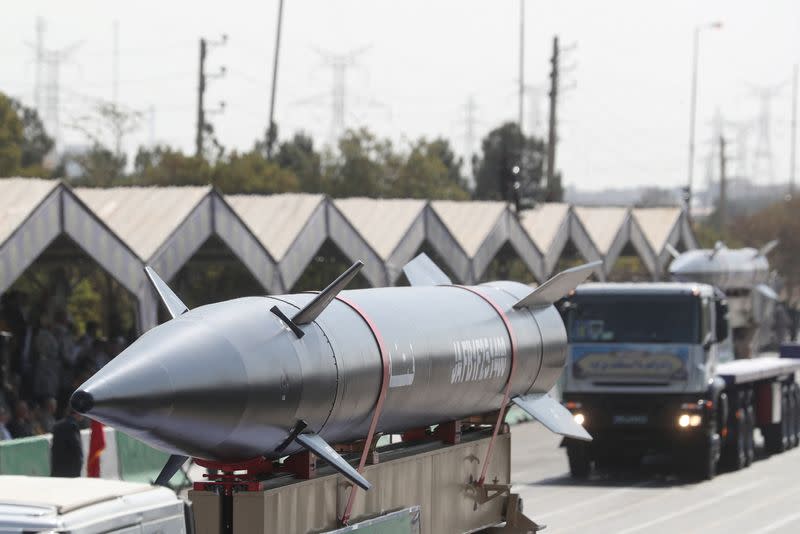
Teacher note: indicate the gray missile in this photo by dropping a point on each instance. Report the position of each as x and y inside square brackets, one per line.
[727, 269]
[272, 376]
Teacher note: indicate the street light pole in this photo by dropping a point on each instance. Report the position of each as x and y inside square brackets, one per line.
[693, 109]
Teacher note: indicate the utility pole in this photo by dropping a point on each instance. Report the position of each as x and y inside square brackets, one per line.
[272, 133]
[553, 134]
[794, 132]
[201, 90]
[723, 187]
[521, 64]
[40, 64]
[202, 126]
[469, 137]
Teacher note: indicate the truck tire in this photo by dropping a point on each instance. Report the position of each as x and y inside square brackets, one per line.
[735, 456]
[705, 465]
[750, 425]
[580, 464]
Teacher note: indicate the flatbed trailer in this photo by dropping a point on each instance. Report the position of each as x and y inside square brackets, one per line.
[427, 486]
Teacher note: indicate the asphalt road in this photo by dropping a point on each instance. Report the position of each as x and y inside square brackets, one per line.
[759, 499]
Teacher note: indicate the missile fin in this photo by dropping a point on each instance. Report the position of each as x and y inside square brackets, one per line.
[672, 250]
[320, 447]
[767, 292]
[719, 245]
[174, 463]
[172, 302]
[766, 249]
[558, 286]
[324, 297]
[552, 415]
[422, 271]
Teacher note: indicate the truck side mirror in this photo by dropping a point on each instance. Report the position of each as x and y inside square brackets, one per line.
[708, 341]
[722, 320]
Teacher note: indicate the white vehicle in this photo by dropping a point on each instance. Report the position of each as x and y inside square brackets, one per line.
[89, 505]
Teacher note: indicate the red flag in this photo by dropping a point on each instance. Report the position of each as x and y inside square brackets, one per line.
[97, 443]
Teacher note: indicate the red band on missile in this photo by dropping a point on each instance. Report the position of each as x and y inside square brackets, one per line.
[378, 405]
[507, 393]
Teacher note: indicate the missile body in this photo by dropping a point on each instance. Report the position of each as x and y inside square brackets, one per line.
[728, 269]
[743, 275]
[230, 381]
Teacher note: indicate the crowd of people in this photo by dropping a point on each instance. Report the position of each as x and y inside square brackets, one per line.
[42, 361]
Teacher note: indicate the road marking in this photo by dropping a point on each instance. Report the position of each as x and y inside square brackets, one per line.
[778, 524]
[747, 511]
[601, 497]
[623, 510]
[697, 506]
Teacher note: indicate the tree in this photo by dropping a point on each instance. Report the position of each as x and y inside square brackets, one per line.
[11, 138]
[252, 173]
[511, 166]
[162, 165]
[99, 167]
[36, 144]
[430, 170]
[363, 167]
[778, 221]
[299, 157]
[656, 196]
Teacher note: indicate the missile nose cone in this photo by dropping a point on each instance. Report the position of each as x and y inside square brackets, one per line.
[82, 401]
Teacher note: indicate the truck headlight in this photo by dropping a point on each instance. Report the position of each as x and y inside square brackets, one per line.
[579, 418]
[689, 420]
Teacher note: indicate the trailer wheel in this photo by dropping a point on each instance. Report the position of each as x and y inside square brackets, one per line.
[795, 389]
[791, 416]
[750, 425]
[786, 416]
[580, 464]
[774, 442]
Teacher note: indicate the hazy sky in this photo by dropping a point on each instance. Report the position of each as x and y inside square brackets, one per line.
[624, 122]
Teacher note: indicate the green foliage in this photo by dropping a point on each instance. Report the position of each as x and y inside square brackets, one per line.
[778, 221]
[36, 144]
[431, 170]
[11, 137]
[100, 166]
[252, 173]
[505, 150]
[298, 156]
[162, 165]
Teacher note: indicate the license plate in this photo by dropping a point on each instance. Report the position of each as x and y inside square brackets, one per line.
[630, 420]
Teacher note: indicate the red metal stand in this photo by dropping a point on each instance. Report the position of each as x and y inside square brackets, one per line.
[507, 392]
[376, 414]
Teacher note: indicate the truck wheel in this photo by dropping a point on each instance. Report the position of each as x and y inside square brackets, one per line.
[706, 467]
[580, 465]
[736, 446]
[750, 425]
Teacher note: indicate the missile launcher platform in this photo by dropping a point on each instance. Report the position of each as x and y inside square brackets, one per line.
[426, 486]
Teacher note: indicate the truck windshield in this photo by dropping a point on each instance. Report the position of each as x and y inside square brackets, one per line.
[633, 319]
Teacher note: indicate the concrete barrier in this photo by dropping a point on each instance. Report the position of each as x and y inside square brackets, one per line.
[25, 456]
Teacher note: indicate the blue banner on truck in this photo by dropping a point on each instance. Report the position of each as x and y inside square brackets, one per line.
[629, 361]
